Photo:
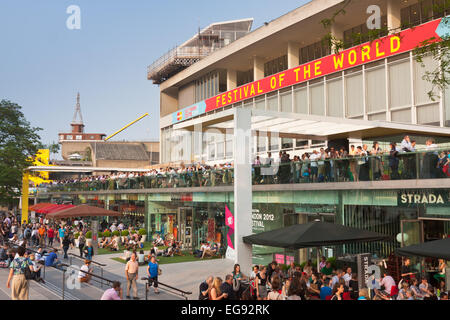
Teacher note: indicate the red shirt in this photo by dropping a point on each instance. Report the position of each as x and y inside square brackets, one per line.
[50, 233]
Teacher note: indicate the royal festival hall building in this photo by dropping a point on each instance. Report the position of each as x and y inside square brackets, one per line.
[229, 95]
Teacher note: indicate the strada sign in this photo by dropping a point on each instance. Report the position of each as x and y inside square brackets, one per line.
[404, 41]
[423, 198]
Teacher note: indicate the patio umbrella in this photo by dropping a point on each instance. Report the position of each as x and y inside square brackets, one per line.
[60, 207]
[314, 234]
[46, 208]
[39, 206]
[83, 211]
[439, 249]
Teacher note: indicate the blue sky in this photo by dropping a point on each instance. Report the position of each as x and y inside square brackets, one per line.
[43, 64]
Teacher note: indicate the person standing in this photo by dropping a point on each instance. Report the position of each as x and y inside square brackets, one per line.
[131, 272]
[61, 233]
[16, 280]
[153, 272]
[81, 243]
[50, 236]
[66, 244]
[89, 251]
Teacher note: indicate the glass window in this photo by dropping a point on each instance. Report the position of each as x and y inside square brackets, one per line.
[355, 96]
[400, 84]
[317, 100]
[262, 140]
[376, 89]
[220, 150]
[286, 102]
[274, 144]
[301, 144]
[403, 116]
[272, 103]
[287, 143]
[301, 101]
[229, 149]
[428, 114]
[260, 103]
[423, 86]
[335, 100]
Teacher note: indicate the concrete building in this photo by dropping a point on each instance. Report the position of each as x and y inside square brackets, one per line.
[286, 91]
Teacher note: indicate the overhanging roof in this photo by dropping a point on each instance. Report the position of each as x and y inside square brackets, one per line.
[82, 169]
[311, 126]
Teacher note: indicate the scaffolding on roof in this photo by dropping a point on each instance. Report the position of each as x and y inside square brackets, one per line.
[208, 40]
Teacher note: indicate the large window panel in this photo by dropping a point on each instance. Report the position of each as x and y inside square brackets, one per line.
[403, 116]
[335, 100]
[301, 100]
[379, 117]
[428, 114]
[423, 87]
[400, 84]
[376, 90]
[355, 95]
[286, 102]
[272, 103]
[317, 100]
[260, 103]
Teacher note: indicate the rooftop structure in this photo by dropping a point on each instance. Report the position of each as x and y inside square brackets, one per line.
[208, 40]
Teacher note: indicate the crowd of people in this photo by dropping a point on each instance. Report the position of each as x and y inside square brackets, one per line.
[307, 283]
[357, 163]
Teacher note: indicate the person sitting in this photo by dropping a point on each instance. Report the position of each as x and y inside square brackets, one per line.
[177, 249]
[209, 252]
[51, 260]
[103, 243]
[158, 241]
[82, 276]
[141, 258]
[114, 244]
[36, 268]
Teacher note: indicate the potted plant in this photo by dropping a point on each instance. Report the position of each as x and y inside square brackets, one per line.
[143, 233]
[124, 234]
[100, 235]
[107, 235]
[88, 237]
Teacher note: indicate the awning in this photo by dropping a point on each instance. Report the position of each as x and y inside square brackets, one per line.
[39, 206]
[83, 211]
[313, 234]
[439, 249]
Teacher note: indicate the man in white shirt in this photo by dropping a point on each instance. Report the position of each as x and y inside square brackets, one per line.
[113, 227]
[314, 168]
[348, 276]
[388, 282]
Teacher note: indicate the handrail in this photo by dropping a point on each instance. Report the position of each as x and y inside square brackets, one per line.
[181, 292]
[92, 261]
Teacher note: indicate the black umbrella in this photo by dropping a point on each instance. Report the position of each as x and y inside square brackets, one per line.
[313, 234]
[439, 249]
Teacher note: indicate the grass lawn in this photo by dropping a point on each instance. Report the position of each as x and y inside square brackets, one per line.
[147, 247]
[175, 259]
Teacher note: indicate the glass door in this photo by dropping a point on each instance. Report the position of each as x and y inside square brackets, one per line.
[411, 232]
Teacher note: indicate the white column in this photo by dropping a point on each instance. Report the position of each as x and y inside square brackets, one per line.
[293, 54]
[394, 19]
[231, 79]
[258, 68]
[242, 187]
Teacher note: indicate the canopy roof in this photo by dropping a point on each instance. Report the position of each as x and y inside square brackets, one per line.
[435, 249]
[40, 206]
[83, 211]
[313, 234]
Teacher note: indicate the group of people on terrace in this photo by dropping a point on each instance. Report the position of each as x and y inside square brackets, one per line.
[357, 163]
[305, 282]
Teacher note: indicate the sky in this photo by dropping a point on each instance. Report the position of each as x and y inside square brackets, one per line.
[43, 64]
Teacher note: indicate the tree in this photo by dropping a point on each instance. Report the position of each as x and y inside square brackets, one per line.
[439, 77]
[19, 142]
[52, 147]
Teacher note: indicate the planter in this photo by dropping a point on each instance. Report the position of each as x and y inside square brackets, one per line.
[144, 237]
[77, 242]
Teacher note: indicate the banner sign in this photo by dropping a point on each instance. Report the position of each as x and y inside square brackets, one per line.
[363, 263]
[391, 45]
[229, 222]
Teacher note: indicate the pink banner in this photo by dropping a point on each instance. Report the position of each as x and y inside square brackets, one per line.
[229, 222]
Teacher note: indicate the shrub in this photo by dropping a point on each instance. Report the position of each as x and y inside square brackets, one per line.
[142, 232]
[100, 234]
[125, 233]
[89, 235]
[107, 234]
[76, 235]
[116, 233]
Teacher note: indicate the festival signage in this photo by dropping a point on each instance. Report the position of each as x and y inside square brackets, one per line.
[385, 47]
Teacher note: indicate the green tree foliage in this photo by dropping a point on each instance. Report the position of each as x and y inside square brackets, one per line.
[52, 147]
[18, 141]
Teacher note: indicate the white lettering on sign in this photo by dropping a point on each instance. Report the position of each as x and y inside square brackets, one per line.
[421, 199]
[258, 219]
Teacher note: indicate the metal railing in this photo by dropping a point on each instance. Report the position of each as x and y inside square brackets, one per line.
[381, 167]
[101, 265]
[168, 288]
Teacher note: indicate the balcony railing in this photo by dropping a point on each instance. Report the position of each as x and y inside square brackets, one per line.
[406, 166]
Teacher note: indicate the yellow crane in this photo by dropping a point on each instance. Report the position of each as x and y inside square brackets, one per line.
[128, 125]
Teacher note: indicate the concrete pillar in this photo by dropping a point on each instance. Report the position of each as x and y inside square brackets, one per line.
[394, 19]
[258, 68]
[242, 187]
[231, 79]
[293, 54]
